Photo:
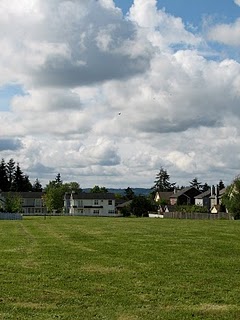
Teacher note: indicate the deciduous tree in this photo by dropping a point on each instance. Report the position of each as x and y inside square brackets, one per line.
[97, 189]
[140, 206]
[231, 198]
[13, 203]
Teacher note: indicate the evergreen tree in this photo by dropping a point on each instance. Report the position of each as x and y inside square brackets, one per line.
[20, 182]
[195, 183]
[129, 193]
[3, 176]
[27, 186]
[162, 182]
[58, 179]
[221, 185]
[10, 173]
[37, 187]
[205, 187]
[17, 180]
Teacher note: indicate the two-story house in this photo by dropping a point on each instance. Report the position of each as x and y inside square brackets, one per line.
[32, 202]
[89, 204]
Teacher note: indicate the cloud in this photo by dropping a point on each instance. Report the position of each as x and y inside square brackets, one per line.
[107, 99]
[70, 43]
[226, 33]
[237, 2]
[161, 28]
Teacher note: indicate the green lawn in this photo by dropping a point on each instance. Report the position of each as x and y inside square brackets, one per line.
[119, 269]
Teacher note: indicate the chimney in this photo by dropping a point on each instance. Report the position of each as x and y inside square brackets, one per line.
[216, 194]
[212, 190]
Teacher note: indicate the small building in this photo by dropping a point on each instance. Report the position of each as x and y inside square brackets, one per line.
[185, 196]
[89, 204]
[163, 196]
[203, 199]
[121, 205]
[216, 199]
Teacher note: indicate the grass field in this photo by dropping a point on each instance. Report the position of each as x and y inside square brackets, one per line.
[119, 269]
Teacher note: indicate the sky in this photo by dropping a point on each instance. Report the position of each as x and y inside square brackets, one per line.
[107, 92]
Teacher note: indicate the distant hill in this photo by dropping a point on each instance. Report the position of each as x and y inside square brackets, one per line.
[137, 191]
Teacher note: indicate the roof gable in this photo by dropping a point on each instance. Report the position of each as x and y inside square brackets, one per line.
[25, 195]
[185, 191]
[205, 194]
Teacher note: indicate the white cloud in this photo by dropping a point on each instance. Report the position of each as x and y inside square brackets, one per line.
[226, 33]
[237, 2]
[160, 28]
[109, 99]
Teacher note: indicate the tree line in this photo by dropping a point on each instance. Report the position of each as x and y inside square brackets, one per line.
[13, 179]
[162, 183]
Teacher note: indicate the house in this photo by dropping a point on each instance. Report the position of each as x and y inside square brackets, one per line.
[163, 196]
[185, 196]
[32, 202]
[89, 204]
[163, 200]
[216, 199]
[121, 204]
[203, 199]
[211, 199]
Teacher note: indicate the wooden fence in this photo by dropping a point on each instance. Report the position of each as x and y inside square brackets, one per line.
[197, 216]
[10, 216]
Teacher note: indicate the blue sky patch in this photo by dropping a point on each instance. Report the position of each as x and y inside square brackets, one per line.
[7, 92]
[192, 11]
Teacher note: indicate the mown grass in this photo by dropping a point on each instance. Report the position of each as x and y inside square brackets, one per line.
[119, 269]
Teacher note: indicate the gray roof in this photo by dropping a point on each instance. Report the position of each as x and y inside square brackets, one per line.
[93, 196]
[24, 195]
[222, 191]
[181, 192]
[124, 204]
[204, 194]
[165, 194]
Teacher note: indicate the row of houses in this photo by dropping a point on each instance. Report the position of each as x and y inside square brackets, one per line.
[102, 204]
[105, 204]
[210, 199]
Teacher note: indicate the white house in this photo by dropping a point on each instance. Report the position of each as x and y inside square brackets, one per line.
[89, 204]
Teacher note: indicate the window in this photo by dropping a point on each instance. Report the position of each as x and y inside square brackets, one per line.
[38, 202]
[111, 211]
[109, 202]
[96, 211]
[95, 202]
[80, 203]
